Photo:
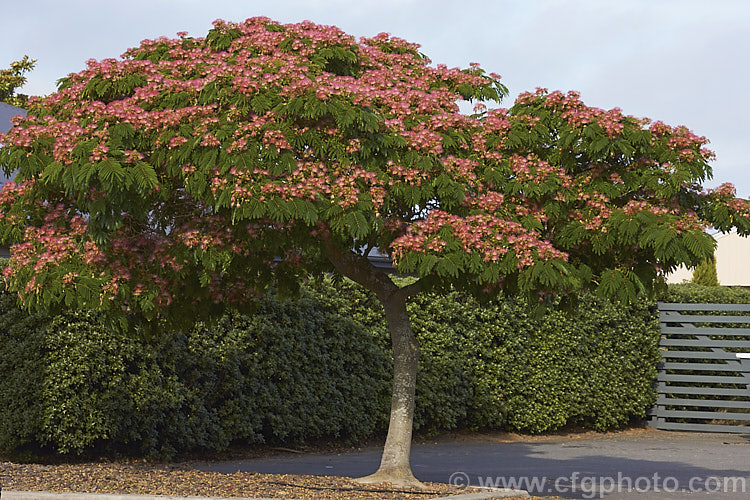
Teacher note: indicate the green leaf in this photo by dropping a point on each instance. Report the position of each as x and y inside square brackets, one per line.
[357, 224]
[84, 175]
[449, 265]
[426, 264]
[145, 175]
[52, 173]
[111, 174]
[408, 263]
[122, 130]
[305, 210]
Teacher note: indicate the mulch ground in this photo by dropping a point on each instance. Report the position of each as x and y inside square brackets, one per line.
[180, 479]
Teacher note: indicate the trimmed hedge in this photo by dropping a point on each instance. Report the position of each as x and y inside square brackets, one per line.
[319, 367]
[694, 293]
[288, 373]
[495, 366]
[22, 374]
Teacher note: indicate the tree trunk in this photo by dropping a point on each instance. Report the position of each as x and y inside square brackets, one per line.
[394, 464]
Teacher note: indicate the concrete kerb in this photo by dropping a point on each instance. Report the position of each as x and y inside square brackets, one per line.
[498, 493]
[44, 495]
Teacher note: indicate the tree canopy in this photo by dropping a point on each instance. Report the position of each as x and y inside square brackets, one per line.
[12, 79]
[202, 168]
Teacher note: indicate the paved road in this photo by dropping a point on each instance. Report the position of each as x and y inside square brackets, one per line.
[633, 465]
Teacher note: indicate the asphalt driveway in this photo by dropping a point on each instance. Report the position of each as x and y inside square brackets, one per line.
[630, 465]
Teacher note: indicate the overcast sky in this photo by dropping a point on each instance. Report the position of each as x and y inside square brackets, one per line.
[685, 62]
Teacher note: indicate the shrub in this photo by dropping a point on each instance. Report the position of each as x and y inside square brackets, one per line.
[594, 368]
[319, 367]
[22, 374]
[496, 366]
[288, 373]
[705, 273]
[694, 293]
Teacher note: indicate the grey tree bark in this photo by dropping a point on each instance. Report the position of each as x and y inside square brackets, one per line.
[395, 467]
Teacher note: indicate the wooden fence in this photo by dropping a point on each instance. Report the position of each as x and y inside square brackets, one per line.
[701, 383]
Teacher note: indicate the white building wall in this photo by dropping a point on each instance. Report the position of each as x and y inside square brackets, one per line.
[733, 259]
[732, 262]
[680, 275]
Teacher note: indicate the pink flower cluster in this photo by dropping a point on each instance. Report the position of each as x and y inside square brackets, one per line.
[530, 168]
[726, 192]
[489, 236]
[575, 112]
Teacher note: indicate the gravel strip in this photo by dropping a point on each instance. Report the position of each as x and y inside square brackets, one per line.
[46, 495]
[181, 480]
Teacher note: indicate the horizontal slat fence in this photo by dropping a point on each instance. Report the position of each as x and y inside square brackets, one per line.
[701, 384]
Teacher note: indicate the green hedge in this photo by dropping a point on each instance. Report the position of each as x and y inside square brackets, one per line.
[495, 366]
[21, 374]
[694, 293]
[319, 367]
[290, 372]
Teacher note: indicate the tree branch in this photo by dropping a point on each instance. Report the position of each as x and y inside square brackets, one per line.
[358, 268]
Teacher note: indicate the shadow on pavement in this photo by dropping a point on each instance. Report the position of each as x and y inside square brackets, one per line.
[663, 465]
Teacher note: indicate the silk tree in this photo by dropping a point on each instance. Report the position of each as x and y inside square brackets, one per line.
[191, 173]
